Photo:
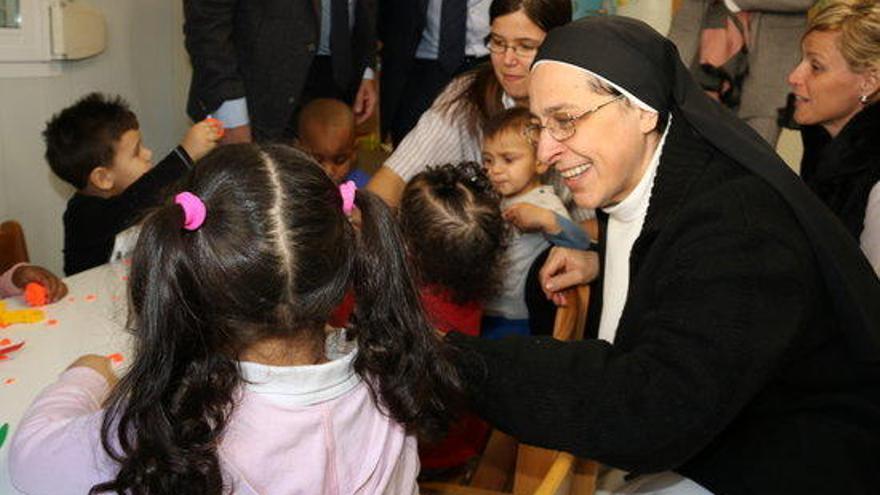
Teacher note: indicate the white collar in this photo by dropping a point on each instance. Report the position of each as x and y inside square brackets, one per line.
[507, 101]
[310, 384]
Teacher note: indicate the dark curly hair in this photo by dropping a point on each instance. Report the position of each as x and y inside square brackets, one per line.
[451, 220]
[273, 258]
[83, 136]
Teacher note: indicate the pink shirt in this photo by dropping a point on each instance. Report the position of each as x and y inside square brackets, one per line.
[325, 436]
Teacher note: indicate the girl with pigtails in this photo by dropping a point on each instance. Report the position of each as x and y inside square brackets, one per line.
[236, 386]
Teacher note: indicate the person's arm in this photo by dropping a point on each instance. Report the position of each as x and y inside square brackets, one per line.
[689, 365]
[436, 139]
[386, 184]
[23, 273]
[869, 240]
[56, 447]
[200, 139]
[148, 191]
[557, 229]
[570, 234]
[236, 121]
[209, 39]
[367, 94]
[365, 99]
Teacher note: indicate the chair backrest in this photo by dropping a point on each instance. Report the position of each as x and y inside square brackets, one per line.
[549, 472]
[572, 318]
[12, 246]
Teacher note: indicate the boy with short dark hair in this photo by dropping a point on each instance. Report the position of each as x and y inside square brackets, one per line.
[95, 145]
[326, 130]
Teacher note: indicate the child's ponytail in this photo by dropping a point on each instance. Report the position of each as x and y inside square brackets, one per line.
[399, 352]
[164, 417]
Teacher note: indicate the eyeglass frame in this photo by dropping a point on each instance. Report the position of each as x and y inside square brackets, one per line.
[488, 42]
[533, 129]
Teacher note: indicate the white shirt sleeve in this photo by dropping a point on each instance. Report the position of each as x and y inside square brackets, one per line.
[233, 113]
[732, 6]
[870, 238]
[436, 139]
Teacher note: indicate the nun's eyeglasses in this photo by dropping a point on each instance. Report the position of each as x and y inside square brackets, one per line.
[562, 127]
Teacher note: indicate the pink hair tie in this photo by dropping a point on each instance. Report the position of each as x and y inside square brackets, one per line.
[194, 210]
[347, 190]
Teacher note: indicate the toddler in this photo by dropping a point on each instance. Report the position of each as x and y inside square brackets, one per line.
[455, 235]
[326, 130]
[95, 145]
[534, 209]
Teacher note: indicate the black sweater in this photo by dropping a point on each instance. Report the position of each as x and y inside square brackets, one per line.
[728, 366]
[842, 171]
[91, 223]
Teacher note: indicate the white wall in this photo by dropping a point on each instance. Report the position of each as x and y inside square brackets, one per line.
[657, 13]
[144, 62]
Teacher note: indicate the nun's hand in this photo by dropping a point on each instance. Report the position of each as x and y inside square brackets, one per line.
[566, 268]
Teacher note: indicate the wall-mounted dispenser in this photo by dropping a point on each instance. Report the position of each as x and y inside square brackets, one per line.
[78, 30]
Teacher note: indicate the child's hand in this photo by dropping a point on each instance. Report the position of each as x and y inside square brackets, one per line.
[25, 274]
[101, 364]
[530, 218]
[202, 138]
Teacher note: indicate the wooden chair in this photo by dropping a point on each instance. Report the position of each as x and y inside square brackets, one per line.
[12, 246]
[507, 467]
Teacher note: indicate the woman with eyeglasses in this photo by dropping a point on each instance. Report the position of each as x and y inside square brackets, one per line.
[734, 337]
[450, 131]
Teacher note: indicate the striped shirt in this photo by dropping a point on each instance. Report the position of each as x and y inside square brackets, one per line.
[440, 137]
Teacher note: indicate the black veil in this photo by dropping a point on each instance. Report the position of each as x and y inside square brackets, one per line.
[633, 56]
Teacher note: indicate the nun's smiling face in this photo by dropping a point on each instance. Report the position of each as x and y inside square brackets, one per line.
[610, 149]
[513, 42]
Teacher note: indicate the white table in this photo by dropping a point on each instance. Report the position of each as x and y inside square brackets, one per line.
[90, 320]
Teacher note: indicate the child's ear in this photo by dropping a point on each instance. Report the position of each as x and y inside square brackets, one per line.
[541, 167]
[102, 178]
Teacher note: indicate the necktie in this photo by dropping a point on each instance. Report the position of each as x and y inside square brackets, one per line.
[340, 43]
[453, 23]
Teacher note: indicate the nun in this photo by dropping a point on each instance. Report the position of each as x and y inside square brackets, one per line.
[734, 337]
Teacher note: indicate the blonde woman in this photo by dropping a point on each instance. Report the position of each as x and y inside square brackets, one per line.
[835, 87]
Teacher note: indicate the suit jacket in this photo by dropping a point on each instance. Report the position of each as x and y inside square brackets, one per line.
[262, 50]
[401, 23]
[729, 366]
[775, 29]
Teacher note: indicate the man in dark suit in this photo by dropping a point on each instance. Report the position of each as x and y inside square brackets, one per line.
[425, 43]
[256, 63]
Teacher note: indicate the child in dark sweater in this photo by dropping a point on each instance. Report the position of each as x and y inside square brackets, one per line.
[95, 145]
